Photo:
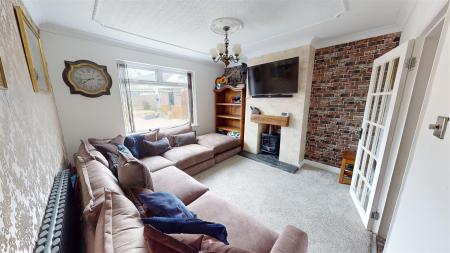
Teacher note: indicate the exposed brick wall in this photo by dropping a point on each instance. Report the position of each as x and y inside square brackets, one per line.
[340, 84]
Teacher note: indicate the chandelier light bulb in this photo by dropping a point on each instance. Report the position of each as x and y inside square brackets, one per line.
[213, 53]
[221, 48]
[237, 49]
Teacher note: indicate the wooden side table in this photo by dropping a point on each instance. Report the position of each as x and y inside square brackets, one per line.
[347, 164]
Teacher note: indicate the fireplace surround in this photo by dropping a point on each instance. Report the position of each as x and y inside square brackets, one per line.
[293, 136]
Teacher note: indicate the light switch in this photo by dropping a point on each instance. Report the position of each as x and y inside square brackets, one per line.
[440, 127]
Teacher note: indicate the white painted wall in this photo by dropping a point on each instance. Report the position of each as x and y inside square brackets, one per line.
[422, 15]
[83, 117]
[422, 216]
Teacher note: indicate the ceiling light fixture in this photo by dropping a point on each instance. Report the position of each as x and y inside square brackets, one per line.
[225, 26]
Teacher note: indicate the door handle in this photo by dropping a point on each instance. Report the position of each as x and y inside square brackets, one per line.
[434, 126]
[439, 127]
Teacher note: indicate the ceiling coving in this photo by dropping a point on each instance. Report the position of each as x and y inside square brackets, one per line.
[182, 26]
[180, 23]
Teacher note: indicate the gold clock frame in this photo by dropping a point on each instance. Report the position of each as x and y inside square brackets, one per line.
[3, 83]
[24, 23]
[67, 77]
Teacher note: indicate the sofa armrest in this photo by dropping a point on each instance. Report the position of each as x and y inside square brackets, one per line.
[291, 240]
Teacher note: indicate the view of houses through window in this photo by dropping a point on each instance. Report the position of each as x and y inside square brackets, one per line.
[155, 97]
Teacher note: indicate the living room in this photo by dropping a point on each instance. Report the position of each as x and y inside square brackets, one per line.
[286, 126]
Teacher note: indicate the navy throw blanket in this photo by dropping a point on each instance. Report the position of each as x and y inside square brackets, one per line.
[188, 226]
[165, 204]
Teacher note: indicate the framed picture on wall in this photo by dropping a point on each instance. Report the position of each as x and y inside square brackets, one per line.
[32, 46]
[3, 84]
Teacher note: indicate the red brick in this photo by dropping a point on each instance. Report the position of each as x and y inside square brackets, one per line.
[338, 96]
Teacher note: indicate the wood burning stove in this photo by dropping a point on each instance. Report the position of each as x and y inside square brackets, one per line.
[270, 142]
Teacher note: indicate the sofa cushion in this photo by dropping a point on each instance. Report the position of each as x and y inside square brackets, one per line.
[152, 148]
[119, 139]
[155, 163]
[94, 176]
[171, 225]
[218, 142]
[89, 235]
[169, 132]
[188, 155]
[108, 144]
[199, 167]
[152, 135]
[243, 230]
[205, 243]
[88, 152]
[132, 173]
[158, 242]
[133, 143]
[119, 228]
[172, 179]
[184, 139]
[291, 239]
[211, 244]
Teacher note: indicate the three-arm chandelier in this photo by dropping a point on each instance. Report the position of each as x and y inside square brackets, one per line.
[225, 26]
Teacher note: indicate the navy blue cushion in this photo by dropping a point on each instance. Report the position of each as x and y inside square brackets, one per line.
[133, 143]
[124, 149]
[164, 204]
[188, 226]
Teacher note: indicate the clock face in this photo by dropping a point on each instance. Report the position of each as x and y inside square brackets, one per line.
[87, 78]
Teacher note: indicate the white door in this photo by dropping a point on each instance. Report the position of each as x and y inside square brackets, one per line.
[421, 221]
[383, 100]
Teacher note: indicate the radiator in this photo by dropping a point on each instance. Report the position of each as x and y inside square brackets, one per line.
[59, 230]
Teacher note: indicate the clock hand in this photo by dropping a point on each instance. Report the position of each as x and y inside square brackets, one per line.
[86, 80]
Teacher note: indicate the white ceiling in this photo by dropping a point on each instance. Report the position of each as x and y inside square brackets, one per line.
[182, 26]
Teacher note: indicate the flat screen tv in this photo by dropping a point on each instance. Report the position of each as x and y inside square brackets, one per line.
[274, 79]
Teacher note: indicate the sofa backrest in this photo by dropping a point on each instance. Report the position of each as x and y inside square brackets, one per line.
[94, 178]
[169, 132]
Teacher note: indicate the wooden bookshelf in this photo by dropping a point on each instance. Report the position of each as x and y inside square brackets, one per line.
[230, 115]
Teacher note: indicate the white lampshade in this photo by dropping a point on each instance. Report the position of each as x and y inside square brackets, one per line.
[213, 53]
[221, 48]
[237, 49]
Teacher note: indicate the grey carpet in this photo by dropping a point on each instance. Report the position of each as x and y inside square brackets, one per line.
[310, 199]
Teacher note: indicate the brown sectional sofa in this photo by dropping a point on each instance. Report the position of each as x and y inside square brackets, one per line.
[101, 190]
[194, 158]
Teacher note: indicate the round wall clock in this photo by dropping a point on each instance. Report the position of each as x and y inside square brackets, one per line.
[87, 78]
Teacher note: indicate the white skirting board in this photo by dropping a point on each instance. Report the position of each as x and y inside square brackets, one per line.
[320, 166]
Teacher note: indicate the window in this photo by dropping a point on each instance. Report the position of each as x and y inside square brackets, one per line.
[154, 97]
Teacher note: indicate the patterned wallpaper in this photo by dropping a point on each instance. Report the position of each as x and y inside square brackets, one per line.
[31, 146]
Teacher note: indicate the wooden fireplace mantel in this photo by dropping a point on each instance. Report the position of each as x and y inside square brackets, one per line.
[282, 121]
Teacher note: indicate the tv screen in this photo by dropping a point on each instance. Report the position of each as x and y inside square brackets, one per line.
[274, 78]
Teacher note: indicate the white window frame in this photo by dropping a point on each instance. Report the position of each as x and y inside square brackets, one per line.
[126, 101]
